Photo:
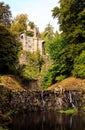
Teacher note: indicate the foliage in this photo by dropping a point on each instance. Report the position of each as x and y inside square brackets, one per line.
[69, 54]
[60, 77]
[79, 65]
[48, 78]
[33, 66]
[59, 70]
[53, 74]
[63, 56]
[55, 47]
[30, 33]
[70, 16]
[19, 24]
[69, 111]
[31, 24]
[47, 35]
[9, 50]
[4, 100]
[5, 14]
[48, 32]
[83, 109]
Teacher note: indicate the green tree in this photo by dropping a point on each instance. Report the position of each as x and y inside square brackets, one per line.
[79, 66]
[70, 16]
[19, 24]
[54, 74]
[31, 24]
[65, 58]
[47, 35]
[5, 14]
[55, 47]
[48, 32]
[69, 53]
[33, 66]
[9, 51]
[59, 69]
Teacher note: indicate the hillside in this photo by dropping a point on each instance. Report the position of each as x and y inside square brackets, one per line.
[11, 82]
[70, 83]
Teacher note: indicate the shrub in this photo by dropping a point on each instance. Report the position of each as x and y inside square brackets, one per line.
[54, 74]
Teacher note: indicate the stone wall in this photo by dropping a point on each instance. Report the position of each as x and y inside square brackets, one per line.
[32, 44]
[40, 100]
[46, 100]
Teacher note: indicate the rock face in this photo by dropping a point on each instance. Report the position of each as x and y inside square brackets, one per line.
[46, 100]
[40, 100]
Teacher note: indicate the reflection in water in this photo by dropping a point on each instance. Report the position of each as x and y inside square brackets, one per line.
[48, 121]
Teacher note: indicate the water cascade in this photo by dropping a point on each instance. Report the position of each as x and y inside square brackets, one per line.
[71, 100]
[42, 99]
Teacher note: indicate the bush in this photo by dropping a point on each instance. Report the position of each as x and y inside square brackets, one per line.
[54, 74]
[33, 66]
[48, 79]
[60, 77]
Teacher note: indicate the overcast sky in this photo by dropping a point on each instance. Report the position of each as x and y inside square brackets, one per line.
[39, 11]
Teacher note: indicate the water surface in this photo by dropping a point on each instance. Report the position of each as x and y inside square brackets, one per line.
[48, 121]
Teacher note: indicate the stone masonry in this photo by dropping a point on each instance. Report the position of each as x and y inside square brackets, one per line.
[40, 100]
[32, 43]
[46, 100]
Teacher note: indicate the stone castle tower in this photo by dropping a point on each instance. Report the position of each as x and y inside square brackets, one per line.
[32, 42]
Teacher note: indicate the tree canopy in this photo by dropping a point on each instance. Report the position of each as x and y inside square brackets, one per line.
[19, 23]
[9, 50]
[48, 33]
[67, 50]
[5, 14]
[71, 16]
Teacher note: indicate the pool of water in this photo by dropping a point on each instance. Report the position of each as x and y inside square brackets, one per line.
[48, 121]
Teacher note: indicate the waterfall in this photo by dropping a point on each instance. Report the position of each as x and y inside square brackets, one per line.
[42, 99]
[70, 99]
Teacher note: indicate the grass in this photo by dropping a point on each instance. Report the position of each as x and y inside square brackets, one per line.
[69, 111]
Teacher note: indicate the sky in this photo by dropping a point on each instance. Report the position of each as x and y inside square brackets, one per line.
[38, 11]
